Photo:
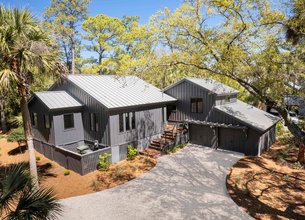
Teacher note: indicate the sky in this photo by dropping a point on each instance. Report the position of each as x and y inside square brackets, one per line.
[115, 8]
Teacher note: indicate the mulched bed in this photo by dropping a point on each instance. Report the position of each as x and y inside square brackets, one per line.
[271, 186]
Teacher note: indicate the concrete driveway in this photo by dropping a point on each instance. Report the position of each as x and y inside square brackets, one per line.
[189, 184]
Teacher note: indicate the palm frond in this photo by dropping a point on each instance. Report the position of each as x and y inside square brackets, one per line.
[40, 204]
[14, 179]
[7, 77]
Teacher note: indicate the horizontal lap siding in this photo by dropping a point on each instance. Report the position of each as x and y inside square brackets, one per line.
[184, 92]
[148, 123]
[91, 106]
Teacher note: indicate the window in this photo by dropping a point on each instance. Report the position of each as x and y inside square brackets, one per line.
[121, 122]
[47, 121]
[68, 121]
[127, 122]
[196, 105]
[164, 119]
[93, 122]
[34, 119]
[133, 120]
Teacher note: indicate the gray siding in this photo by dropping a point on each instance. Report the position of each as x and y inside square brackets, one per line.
[91, 106]
[266, 140]
[222, 100]
[184, 92]
[220, 117]
[66, 136]
[148, 123]
[39, 131]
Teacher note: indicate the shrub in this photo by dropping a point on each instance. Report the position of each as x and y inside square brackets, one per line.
[104, 164]
[67, 172]
[119, 173]
[16, 134]
[132, 152]
[37, 158]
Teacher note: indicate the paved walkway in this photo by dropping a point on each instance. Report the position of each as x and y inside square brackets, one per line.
[187, 185]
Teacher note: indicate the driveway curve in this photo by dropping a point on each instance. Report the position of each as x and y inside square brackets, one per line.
[190, 184]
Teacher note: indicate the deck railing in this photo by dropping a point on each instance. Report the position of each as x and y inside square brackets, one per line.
[81, 164]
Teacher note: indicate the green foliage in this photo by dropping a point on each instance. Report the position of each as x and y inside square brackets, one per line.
[132, 152]
[16, 188]
[63, 17]
[104, 164]
[175, 148]
[67, 172]
[120, 44]
[38, 158]
[16, 134]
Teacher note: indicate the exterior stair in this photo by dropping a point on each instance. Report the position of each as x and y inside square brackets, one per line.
[169, 135]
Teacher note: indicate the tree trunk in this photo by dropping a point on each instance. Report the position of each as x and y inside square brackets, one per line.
[73, 58]
[301, 158]
[3, 117]
[296, 131]
[28, 134]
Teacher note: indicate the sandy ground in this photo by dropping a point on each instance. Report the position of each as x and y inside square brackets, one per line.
[52, 174]
[269, 187]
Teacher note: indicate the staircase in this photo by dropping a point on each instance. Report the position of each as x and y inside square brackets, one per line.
[169, 135]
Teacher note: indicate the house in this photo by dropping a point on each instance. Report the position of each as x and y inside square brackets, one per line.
[83, 116]
[101, 111]
[217, 119]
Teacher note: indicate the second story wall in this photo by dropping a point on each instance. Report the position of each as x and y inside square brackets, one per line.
[100, 131]
[184, 92]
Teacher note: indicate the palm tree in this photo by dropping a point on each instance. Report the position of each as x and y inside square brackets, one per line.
[19, 199]
[27, 52]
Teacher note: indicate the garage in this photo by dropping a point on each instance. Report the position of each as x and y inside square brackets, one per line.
[231, 139]
[220, 136]
[201, 135]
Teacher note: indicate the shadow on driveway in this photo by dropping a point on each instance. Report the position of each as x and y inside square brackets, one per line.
[189, 184]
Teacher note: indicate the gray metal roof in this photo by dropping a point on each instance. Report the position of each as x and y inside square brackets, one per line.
[249, 115]
[120, 91]
[57, 99]
[209, 84]
[294, 100]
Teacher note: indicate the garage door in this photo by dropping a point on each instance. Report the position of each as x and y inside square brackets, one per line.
[202, 135]
[231, 139]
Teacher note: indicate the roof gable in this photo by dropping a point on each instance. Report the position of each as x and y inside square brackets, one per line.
[119, 91]
[211, 85]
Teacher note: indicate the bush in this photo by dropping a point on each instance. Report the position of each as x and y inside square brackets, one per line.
[175, 148]
[132, 152]
[104, 164]
[67, 172]
[16, 134]
[37, 158]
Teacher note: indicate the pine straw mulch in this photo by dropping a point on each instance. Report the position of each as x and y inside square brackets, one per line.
[51, 174]
[271, 186]
[122, 172]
